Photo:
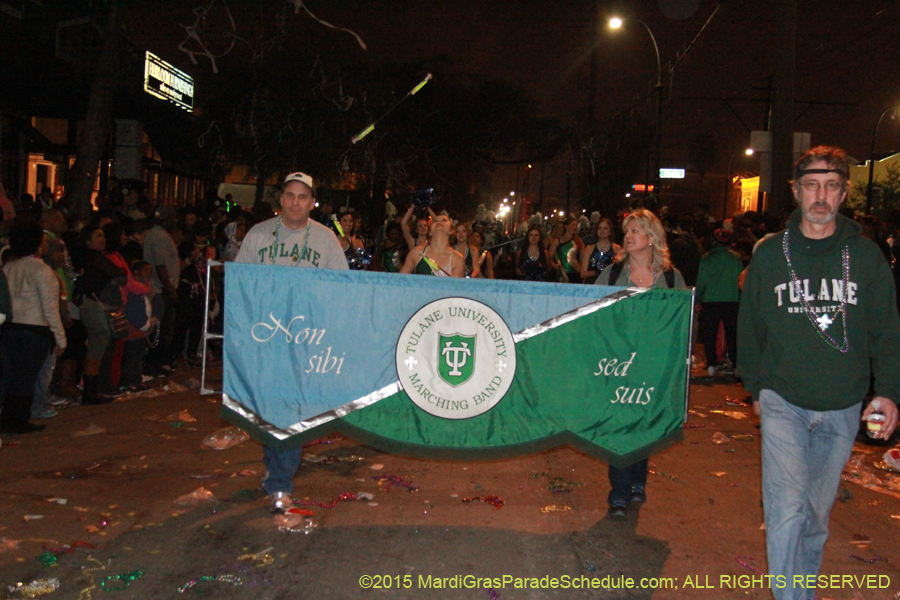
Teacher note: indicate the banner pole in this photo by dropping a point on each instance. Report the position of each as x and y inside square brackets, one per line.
[205, 335]
[690, 353]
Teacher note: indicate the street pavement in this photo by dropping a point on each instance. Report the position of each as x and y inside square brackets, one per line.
[125, 501]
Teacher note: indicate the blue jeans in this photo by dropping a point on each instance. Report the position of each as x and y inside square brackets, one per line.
[803, 456]
[41, 401]
[281, 466]
[625, 481]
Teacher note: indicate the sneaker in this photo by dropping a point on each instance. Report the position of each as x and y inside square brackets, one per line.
[47, 413]
[280, 502]
[57, 400]
[617, 512]
[132, 389]
[711, 371]
[638, 495]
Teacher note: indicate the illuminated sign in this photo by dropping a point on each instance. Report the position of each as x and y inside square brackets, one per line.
[168, 83]
[640, 187]
[671, 173]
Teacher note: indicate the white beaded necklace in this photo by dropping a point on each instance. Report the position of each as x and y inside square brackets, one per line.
[821, 324]
[296, 258]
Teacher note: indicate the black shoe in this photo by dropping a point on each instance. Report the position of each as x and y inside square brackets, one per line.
[617, 512]
[96, 399]
[638, 495]
[23, 428]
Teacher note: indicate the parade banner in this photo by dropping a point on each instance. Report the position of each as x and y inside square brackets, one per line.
[454, 368]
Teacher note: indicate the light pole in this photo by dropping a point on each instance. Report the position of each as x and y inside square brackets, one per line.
[615, 23]
[872, 159]
[747, 152]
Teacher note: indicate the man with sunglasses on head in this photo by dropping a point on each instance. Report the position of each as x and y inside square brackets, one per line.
[817, 317]
[291, 239]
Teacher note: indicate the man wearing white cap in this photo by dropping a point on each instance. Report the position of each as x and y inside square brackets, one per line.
[290, 239]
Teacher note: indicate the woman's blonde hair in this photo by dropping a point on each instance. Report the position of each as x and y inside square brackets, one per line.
[651, 225]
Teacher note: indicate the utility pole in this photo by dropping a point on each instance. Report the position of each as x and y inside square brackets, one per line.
[781, 118]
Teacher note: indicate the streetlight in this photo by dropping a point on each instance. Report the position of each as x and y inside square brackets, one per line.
[872, 159]
[616, 23]
[747, 152]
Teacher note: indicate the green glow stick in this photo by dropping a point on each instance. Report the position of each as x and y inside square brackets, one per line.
[362, 133]
[338, 225]
[431, 263]
[421, 85]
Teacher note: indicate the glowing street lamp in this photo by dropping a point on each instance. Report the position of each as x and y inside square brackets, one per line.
[616, 23]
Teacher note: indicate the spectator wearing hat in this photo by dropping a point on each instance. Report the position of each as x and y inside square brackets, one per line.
[718, 293]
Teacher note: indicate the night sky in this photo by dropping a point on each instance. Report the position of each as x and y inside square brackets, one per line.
[847, 53]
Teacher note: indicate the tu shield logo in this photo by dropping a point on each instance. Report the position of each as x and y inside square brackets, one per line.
[456, 358]
[456, 375]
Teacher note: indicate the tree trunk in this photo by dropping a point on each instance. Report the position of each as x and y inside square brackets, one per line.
[98, 120]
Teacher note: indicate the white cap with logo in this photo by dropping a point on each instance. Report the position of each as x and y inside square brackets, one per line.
[301, 177]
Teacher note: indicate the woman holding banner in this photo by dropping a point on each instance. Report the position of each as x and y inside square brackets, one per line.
[436, 256]
[644, 262]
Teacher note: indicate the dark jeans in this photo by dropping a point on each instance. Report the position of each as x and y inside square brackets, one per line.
[162, 353]
[711, 315]
[131, 362]
[188, 322]
[281, 466]
[624, 480]
[23, 350]
[76, 342]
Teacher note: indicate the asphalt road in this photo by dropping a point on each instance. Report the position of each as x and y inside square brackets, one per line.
[101, 512]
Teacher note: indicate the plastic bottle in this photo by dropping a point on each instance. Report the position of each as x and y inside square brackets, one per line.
[875, 420]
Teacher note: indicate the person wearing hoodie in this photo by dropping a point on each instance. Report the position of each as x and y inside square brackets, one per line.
[718, 293]
[817, 317]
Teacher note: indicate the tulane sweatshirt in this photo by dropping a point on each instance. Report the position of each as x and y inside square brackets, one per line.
[783, 350]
